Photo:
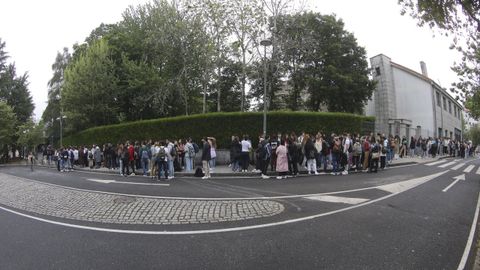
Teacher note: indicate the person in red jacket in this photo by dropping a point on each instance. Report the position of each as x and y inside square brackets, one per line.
[366, 152]
[131, 157]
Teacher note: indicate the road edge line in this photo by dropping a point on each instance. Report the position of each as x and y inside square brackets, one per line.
[468, 247]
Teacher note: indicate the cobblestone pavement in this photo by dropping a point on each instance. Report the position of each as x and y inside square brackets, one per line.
[66, 203]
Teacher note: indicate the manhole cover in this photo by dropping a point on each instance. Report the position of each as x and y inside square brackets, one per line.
[124, 200]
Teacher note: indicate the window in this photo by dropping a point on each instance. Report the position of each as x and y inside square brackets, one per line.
[449, 106]
[444, 103]
[455, 110]
[377, 71]
[446, 133]
[439, 101]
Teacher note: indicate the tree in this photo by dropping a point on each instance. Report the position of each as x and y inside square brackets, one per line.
[461, 19]
[7, 128]
[14, 88]
[246, 23]
[89, 97]
[30, 135]
[55, 88]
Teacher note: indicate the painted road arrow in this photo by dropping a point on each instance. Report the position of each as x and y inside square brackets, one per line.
[457, 178]
[104, 181]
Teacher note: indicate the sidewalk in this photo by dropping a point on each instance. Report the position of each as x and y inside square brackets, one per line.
[225, 171]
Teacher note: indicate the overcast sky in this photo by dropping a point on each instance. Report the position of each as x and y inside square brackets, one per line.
[34, 31]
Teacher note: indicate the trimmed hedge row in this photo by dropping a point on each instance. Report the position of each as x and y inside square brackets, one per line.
[222, 126]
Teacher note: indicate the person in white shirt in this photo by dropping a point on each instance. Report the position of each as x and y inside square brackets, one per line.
[246, 146]
[347, 142]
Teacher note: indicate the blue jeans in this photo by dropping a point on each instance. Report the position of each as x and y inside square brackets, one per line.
[324, 161]
[162, 167]
[188, 164]
[235, 165]
[145, 165]
[335, 163]
[212, 163]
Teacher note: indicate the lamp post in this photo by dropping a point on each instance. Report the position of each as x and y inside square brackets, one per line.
[265, 43]
[61, 129]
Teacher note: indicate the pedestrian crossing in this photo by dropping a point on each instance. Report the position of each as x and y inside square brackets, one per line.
[456, 165]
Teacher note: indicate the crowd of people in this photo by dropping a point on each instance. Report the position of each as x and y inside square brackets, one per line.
[283, 154]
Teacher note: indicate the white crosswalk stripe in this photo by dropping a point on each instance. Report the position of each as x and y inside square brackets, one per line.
[469, 169]
[447, 164]
[478, 171]
[458, 166]
[436, 162]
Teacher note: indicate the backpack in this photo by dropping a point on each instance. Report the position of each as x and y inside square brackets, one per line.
[191, 151]
[162, 154]
[267, 151]
[90, 155]
[173, 151]
[144, 154]
[199, 172]
[196, 148]
[358, 148]
[350, 147]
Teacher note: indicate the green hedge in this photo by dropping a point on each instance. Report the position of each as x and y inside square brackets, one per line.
[222, 126]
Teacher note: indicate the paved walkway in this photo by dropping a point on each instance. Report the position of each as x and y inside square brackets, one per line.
[56, 201]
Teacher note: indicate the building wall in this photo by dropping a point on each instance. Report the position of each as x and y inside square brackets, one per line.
[414, 101]
[383, 104]
[405, 102]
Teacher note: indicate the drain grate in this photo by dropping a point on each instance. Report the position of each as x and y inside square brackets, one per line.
[125, 200]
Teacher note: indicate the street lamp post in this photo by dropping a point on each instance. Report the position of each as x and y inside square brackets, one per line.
[265, 43]
[61, 129]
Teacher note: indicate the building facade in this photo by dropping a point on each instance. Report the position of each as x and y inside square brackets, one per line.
[408, 103]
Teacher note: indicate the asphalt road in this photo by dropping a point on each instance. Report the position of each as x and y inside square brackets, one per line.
[402, 218]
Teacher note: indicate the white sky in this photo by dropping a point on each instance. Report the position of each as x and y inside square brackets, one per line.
[34, 31]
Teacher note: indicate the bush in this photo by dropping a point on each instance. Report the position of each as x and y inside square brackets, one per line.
[222, 126]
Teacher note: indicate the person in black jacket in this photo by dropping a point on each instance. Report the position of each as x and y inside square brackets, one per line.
[293, 151]
[206, 157]
[235, 151]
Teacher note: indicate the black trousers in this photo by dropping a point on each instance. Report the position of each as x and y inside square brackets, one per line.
[264, 165]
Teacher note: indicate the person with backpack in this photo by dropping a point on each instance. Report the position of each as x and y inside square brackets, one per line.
[347, 152]
[293, 151]
[265, 152]
[356, 153]
[131, 157]
[171, 155]
[161, 161]
[124, 160]
[310, 153]
[189, 155]
[246, 146]
[235, 153]
[374, 156]
[206, 158]
[145, 157]
[366, 154]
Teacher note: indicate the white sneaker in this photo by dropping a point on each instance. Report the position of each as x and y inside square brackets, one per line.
[279, 177]
[170, 177]
[132, 174]
[316, 173]
[345, 172]
[205, 177]
[265, 176]
[333, 173]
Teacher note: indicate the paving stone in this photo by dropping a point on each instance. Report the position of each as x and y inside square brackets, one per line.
[44, 199]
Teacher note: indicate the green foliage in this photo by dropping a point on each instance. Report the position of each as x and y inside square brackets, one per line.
[221, 126]
[8, 121]
[89, 97]
[14, 88]
[461, 20]
[30, 135]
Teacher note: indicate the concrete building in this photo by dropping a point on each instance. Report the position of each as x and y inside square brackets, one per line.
[408, 103]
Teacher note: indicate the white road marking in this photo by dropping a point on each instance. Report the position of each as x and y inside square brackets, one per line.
[126, 183]
[234, 229]
[336, 199]
[469, 168]
[478, 171]
[406, 185]
[457, 178]
[436, 162]
[458, 166]
[447, 164]
[468, 247]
